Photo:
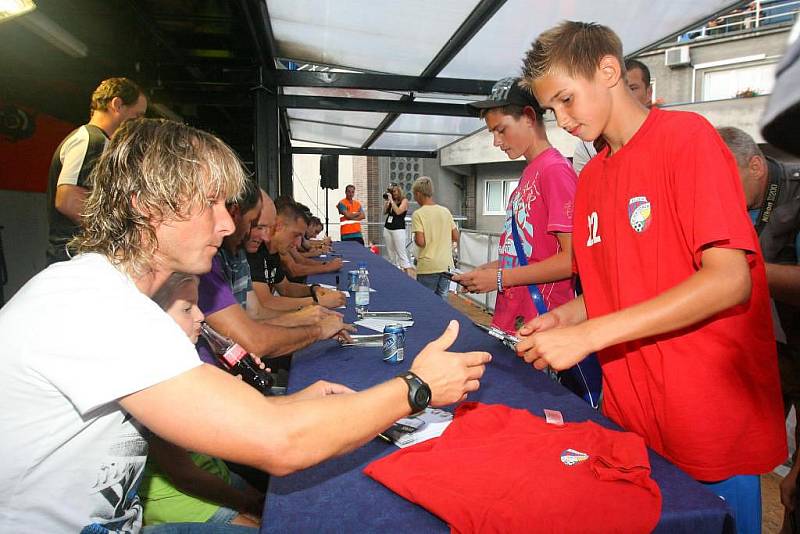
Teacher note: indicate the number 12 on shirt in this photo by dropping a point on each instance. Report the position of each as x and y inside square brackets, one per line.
[593, 237]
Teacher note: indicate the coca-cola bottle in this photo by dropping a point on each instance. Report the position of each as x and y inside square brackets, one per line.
[237, 360]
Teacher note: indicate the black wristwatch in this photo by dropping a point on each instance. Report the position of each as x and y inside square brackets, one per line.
[313, 290]
[419, 393]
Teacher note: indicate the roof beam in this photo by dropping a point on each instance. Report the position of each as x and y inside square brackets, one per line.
[374, 105]
[267, 48]
[365, 152]
[382, 82]
[471, 25]
[261, 34]
[221, 99]
[482, 13]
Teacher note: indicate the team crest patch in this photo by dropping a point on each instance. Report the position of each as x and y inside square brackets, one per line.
[639, 214]
[570, 457]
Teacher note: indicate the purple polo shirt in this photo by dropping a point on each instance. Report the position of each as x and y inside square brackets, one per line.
[214, 294]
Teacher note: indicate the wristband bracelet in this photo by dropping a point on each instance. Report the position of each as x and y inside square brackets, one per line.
[499, 280]
[313, 289]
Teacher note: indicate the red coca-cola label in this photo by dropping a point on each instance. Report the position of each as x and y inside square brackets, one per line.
[234, 354]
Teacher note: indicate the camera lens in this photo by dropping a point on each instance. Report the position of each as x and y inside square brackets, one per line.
[386, 196]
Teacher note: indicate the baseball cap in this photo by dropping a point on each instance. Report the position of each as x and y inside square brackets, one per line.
[507, 92]
[780, 124]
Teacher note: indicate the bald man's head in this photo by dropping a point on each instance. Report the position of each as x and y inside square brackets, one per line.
[264, 229]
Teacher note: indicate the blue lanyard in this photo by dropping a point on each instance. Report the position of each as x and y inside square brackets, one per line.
[533, 289]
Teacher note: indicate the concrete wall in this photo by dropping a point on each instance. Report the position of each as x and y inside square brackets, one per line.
[479, 147]
[509, 170]
[448, 186]
[674, 85]
[23, 217]
[742, 113]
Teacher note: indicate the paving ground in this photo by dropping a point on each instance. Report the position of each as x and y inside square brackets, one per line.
[770, 496]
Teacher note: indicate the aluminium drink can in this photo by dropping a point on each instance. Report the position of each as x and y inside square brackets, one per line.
[394, 343]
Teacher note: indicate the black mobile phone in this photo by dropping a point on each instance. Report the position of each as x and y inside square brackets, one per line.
[398, 430]
[449, 275]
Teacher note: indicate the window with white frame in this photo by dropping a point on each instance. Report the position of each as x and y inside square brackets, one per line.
[496, 196]
[748, 80]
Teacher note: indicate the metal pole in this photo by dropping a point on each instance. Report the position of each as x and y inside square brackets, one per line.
[327, 224]
[3, 270]
[758, 11]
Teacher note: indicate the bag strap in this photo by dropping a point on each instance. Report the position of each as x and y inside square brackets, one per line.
[770, 197]
[533, 289]
[589, 394]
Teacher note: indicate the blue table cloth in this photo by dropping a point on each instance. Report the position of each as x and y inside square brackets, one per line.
[337, 497]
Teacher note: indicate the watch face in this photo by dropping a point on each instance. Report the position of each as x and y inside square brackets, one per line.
[422, 397]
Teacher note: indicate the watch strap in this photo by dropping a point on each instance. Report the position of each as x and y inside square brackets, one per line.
[415, 384]
[313, 289]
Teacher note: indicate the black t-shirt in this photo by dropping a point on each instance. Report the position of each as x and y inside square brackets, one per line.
[265, 267]
[395, 221]
[72, 163]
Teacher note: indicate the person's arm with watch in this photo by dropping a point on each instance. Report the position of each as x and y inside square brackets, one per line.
[305, 432]
[263, 292]
[296, 265]
[311, 294]
[419, 393]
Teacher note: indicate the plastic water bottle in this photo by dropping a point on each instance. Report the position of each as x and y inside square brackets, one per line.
[362, 291]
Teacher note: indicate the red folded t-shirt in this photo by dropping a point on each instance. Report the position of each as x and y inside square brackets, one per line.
[498, 469]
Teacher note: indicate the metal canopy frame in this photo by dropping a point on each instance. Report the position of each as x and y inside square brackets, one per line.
[366, 152]
[474, 22]
[382, 82]
[272, 133]
[395, 107]
[274, 79]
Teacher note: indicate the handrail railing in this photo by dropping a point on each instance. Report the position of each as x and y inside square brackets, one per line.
[754, 16]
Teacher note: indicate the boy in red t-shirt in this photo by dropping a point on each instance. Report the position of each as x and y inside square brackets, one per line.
[675, 297]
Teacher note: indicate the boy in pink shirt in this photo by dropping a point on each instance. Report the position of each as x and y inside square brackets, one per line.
[533, 272]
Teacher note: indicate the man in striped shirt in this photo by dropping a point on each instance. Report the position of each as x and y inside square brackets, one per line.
[114, 100]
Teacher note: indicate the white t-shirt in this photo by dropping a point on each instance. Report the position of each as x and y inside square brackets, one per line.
[584, 151]
[73, 340]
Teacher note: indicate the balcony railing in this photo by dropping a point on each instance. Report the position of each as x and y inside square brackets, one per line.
[757, 15]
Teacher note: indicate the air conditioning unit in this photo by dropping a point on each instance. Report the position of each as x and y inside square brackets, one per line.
[677, 57]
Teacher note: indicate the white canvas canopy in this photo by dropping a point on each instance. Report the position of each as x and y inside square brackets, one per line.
[457, 39]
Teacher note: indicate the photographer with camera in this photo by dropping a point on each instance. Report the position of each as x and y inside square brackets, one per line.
[394, 229]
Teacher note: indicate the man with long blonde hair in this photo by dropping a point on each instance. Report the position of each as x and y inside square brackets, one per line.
[86, 355]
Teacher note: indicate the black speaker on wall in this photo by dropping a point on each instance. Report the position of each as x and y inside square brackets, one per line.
[329, 171]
